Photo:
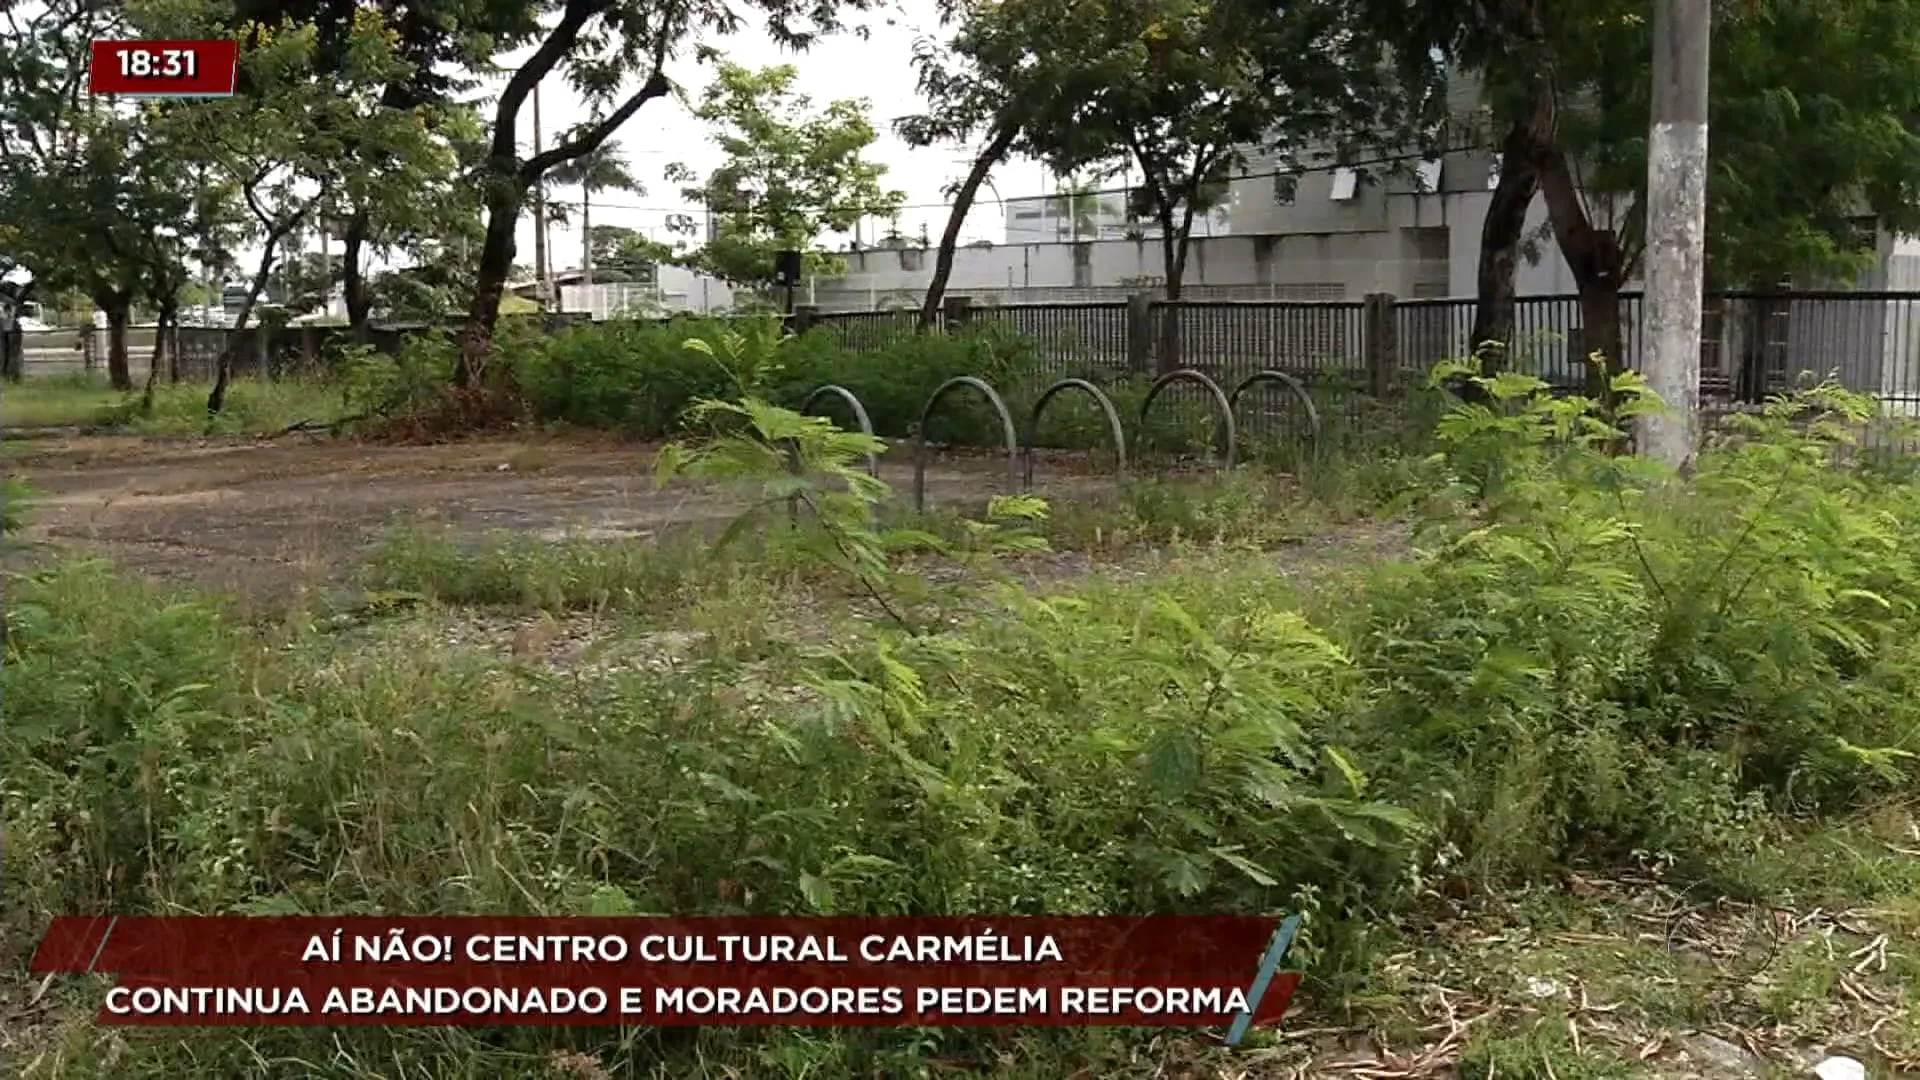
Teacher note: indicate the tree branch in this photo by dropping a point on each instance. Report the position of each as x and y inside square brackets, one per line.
[589, 141]
[528, 75]
[1571, 228]
[1633, 237]
[1156, 183]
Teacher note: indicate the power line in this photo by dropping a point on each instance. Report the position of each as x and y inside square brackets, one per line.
[1393, 159]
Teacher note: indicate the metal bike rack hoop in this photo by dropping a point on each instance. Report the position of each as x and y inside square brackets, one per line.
[920, 435]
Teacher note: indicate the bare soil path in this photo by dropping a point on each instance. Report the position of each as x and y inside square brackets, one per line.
[263, 517]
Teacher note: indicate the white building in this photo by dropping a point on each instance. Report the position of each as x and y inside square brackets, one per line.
[1096, 215]
[674, 289]
[1335, 235]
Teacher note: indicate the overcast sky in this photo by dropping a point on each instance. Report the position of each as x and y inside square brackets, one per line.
[877, 69]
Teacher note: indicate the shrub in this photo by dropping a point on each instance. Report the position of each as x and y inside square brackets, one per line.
[895, 381]
[376, 384]
[1597, 657]
[632, 376]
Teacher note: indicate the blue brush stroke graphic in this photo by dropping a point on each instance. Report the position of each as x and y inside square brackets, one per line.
[1269, 964]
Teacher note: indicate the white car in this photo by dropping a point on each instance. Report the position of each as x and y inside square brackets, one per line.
[29, 324]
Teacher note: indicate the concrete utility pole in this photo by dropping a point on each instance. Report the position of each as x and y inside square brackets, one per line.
[1677, 225]
[540, 273]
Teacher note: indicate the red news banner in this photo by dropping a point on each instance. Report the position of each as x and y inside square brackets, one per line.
[164, 68]
[1161, 970]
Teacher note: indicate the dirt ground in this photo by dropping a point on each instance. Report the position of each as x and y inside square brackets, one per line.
[269, 517]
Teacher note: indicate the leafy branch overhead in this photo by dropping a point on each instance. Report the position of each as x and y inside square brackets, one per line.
[1814, 114]
[1181, 90]
[615, 54]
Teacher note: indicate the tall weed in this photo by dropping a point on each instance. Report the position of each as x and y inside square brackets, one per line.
[1596, 657]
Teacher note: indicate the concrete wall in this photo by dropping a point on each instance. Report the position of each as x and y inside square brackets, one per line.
[1391, 236]
[1315, 266]
[678, 289]
[682, 289]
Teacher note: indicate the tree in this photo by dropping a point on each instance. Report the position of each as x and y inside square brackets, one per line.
[1812, 127]
[627, 254]
[404, 187]
[202, 232]
[1183, 88]
[290, 136]
[304, 279]
[436, 287]
[84, 184]
[407, 188]
[1193, 86]
[790, 173]
[601, 45]
[600, 169]
[987, 87]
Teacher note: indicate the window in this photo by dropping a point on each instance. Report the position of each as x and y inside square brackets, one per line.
[1346, 182]
[1427, 176]
[1026, 215]
[1429, 245]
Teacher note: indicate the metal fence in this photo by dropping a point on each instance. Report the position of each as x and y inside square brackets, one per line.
[1752, 344]
[1547, 334]
[194, 351]
[1073, 337]
[1222, 337]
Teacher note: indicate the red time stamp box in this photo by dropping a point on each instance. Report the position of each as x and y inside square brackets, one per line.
[164, 68]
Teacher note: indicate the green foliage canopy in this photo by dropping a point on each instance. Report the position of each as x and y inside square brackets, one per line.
[790, 175]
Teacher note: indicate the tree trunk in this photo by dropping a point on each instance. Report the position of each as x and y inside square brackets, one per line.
[496, 262]
[13, 347]
[161, 327]
[509, 178]
[223, 376]
[586, 239]
[540, 273]
[1600, 333]
[1595, 258]
[996, 148]
[353, 284]
[1173, 253]
[118, 308]
[1500, 234]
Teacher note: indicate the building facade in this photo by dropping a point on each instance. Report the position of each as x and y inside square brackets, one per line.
[1072, 217]
[1328, 234]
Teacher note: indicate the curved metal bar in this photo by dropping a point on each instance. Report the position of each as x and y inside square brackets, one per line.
[920, 435]
[859, 414]
[1106, 406]
[1294, 386]
[1213, 388]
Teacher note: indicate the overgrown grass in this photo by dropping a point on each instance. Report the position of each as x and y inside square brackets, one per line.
[1587, 670]
[254, 406]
